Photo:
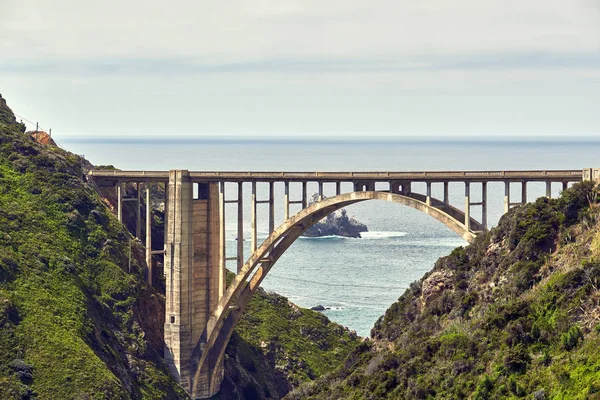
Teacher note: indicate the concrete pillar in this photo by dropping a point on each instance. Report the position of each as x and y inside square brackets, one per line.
[506, 196]
[138, 213]
[484, 204]
[193, 278]
[166, 216]
[549, 189]
[446, 200]
[467, 206]
[222, 252]
[119, 202]
[523, 192]
[240, 229]
[565, 186]
[178, 262]
[253, 220]
[406, 188]
[271, 208]
[304, 195]
[428, 199]
[320, 191]
[149, 234]
[286, 202]
[338, 188]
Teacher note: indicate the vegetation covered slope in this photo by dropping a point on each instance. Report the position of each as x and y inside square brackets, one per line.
[278, 345]
[73, 308]
[77, 320]
[514, 315]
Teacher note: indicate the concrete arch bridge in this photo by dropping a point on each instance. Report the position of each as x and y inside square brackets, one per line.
[201, 311]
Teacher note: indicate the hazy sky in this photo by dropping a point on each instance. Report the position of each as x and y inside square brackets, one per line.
[303, 67]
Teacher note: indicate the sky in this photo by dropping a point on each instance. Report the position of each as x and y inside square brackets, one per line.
[286, 68]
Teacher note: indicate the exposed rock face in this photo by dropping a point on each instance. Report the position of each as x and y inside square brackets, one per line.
[42, 138]
[337, 223]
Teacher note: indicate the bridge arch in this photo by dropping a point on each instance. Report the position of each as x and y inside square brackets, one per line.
[209, 351]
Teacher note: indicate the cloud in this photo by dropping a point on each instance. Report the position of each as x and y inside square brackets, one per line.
[235, 31]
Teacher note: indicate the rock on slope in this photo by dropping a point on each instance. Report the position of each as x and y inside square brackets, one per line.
[514, 315]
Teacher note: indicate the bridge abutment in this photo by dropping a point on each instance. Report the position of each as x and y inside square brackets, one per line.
[194, 278]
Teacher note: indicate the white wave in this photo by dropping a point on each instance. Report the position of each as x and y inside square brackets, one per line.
[328, 237]
[382, 235]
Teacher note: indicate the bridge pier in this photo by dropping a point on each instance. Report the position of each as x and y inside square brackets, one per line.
[194, 278]
[467, 206]
[149, 234]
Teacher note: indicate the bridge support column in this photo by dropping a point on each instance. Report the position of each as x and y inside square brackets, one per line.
[271, 207]
[138, 212]
[253, 219]
[304, 195]
[149, 234]
[120, 202]
[523, 192]
[506, 196]
[286, 202]
[549, 189]
[406, 188]
[484, 205]
[240, 229]
[467, 206]
[565, 186]
[446, 200]
[193, 279]
[428, 198]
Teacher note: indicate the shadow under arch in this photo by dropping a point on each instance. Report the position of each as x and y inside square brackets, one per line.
[208, 352]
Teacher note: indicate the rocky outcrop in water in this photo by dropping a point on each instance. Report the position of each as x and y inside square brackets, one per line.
[335, 224]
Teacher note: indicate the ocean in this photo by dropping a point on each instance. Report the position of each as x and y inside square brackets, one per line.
[355, 279]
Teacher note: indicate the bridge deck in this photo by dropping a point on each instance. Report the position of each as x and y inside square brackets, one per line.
[379, 176]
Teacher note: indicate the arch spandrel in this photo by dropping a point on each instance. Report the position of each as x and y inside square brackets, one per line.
[222, 323]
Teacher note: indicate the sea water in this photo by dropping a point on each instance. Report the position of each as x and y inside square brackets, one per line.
[356, 279]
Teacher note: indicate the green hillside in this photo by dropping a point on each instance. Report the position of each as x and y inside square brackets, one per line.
[514, 315]
[77, 320]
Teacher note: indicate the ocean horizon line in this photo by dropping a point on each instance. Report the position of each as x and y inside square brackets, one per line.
[307, 139]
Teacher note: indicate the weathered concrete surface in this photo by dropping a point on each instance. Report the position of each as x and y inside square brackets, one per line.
[362, 177]
[192, 280]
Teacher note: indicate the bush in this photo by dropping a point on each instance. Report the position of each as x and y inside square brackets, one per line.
[570, 339]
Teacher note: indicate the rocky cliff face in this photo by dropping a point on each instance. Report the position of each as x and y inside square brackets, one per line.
[335, 224]
[514, 315]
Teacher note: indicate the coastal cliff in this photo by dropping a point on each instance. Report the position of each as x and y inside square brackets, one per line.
[516, 314]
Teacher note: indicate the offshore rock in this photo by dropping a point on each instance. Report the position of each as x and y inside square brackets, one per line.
[335, 224]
